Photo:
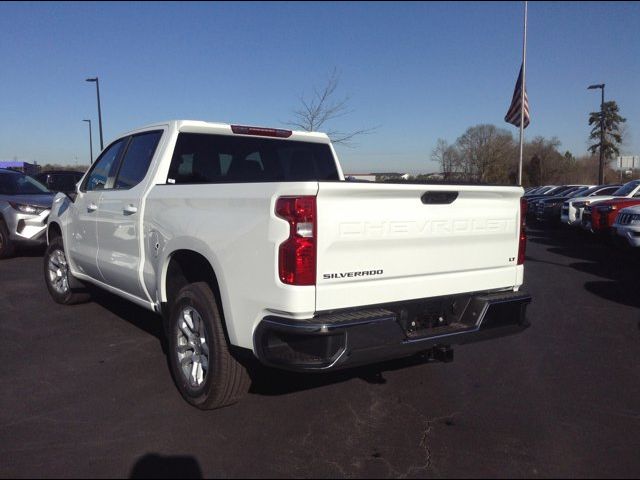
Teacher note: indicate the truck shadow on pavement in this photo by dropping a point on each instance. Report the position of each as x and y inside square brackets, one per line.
[265, 380]
[272, 382]
[153, 465]
[139, 317]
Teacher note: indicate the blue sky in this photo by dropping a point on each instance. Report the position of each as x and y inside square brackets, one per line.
[418, 71]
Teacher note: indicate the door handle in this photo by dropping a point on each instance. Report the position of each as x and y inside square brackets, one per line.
[92, 207]
[129, 210]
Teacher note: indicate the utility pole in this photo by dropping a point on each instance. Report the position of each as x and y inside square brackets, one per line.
[95, 79]
[90, 143]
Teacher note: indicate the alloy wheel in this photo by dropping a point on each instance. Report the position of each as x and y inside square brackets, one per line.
[58, 270]
[191, 347]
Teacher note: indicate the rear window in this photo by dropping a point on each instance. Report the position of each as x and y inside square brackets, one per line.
[19, 184]
[204, 158]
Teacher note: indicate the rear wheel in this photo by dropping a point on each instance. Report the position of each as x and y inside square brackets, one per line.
[60, 282]
[6, 245]
[203, 368]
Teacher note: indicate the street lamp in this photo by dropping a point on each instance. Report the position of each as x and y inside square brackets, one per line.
[95, 79]
[90, 142]
[601, 166]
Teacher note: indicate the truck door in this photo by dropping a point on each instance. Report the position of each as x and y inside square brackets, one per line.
[82, 241]
[119, 219]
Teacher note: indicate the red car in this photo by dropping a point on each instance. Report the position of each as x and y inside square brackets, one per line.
[603, 214]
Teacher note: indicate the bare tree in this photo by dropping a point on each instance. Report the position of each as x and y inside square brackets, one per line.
[447, 157]
[321, 108]
[486, 153]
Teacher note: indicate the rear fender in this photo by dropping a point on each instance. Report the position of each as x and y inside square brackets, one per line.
[197, 246]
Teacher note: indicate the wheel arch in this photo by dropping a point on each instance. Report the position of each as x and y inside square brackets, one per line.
[183, 266]
[53, 230]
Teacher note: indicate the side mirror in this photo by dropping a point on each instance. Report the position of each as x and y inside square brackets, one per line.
[72, 195]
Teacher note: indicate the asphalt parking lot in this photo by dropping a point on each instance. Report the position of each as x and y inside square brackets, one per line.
[85, 391]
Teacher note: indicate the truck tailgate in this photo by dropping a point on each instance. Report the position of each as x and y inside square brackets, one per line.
[380, 243]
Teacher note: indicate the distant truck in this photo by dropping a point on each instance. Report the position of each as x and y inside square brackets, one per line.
[60, 180]
[248, 240]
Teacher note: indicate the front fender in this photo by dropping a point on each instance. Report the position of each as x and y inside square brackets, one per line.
[61, 216]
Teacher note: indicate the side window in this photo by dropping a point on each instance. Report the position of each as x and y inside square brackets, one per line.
[137, 159]
[99, 175]
[5, 185]
[196, 160]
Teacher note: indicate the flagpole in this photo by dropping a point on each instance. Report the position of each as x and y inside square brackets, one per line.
[524, 76]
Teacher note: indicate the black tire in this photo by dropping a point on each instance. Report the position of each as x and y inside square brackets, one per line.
[225, 380]
[74, 293]
[7, 247]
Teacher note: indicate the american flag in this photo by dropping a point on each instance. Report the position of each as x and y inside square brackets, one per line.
[513, 115]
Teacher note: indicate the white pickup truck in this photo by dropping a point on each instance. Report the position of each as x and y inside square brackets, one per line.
[248, 240]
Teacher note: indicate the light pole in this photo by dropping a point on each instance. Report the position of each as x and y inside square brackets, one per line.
[95, 79]
[90, 142]
[601, 165]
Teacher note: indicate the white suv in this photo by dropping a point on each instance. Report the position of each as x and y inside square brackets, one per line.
[627, 225]
[24, 210]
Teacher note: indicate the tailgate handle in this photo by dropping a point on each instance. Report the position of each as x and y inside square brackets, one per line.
[438, 198]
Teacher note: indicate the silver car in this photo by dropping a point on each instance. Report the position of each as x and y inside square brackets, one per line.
[24, 208]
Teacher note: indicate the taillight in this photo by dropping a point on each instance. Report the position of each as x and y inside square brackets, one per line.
[522, 244]
[297, 254]
[261, 131]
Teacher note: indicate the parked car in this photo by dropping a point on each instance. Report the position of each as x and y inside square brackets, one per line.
[552, 193]
[627, 226]
[570, 215]
[60, 180]
[547, 210]
[628, 190]
[547, 190]
[603, 214]
[539, 190]
[248, 241]
[24, 208]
